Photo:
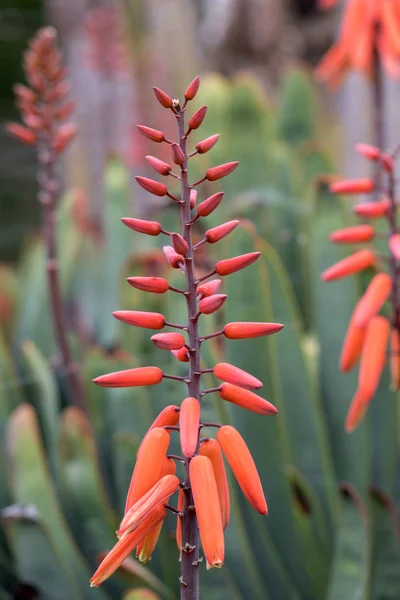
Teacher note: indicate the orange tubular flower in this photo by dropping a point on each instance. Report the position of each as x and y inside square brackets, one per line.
[148, 320]
[395, 359]
[353, 235]
[374, 298]
[148, 227]
[373, 356]
[375, 154]
[209, 288]
[231, 265]
[126, 545]
[130, 377]
[212, 450]
[352, 345]
[372, 210]
[168, 416]
[189, 421]
[357, 410]
[250, 329]
[246, 399]
[155, 285]
[208, 511]
[242, 464]
[168, 341]
[236, 376]
[353, 186]
[349, 266]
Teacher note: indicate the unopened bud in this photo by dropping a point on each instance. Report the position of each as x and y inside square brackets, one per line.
[236, 376]
[158, 165]
[375, 154]
[64, 136]
[192, 89]
[206, 145]
[163, 98]
[353, 186]
[22, 133]
[178, 155]
[142, 226]
[130, 378]
[372, 210]
[231, 265]
[217, 233]
[156, 285]
[196, 120]
[206, 207]
[152, 134]
[174, 259]
[179, 243]
[394, 245]
[211, 304]
[148, 320]
[221, 171]
[154, 187]
[168, 341]
[193, 198]
[182, 355]
[209, 288]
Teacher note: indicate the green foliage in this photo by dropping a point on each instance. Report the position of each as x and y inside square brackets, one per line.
[72, 470]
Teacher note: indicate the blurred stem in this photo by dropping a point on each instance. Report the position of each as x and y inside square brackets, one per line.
[378, 108]
[190, 585]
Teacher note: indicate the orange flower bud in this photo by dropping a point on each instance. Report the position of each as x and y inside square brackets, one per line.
[192, 89]
[348, 266]
[236, 376]
[181, 504]
[242, 464]
[64, 136]
[208, 511]
[173, 258]
[231, 265]
[168, 341]
[246, 399]
[357, 410]
[373, 356]
[152, 134]
[139, 318]
[250, 329]
[352, 344]
[196, 120]
[182, 355]
[217, 233]
[179, 243]
[208, 206]
[395, 359]
[353, 235]
[221, 171]
[374, 298]
[178, 155]
[394, 245]
[373, 153]
[212, 450]
[193, 198]
[206, 145]
[168, 416]
[158, 165]
[126, 545]
[209, 288]
[154, 187]
[22, 133]
[130, 377]
[353, 186]
[141, 226]
[163, 98]
[149, 466]
[156, 285]
[211, 304]
[372, 210]
[189, 421]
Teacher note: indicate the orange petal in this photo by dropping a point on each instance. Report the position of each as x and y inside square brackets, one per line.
[373, 356]
[353, 235]
[243, 467]
[352, 186]
[352, 344]
[348, 266]
[208, 511]
[189, 421]
[373, 299]
[130, 378]
[236, 376]
[212, 450]
[356, 412]
[246, 399]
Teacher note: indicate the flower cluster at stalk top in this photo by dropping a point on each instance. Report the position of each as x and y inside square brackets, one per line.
[204, 489]
[370, 333]
[370, 30]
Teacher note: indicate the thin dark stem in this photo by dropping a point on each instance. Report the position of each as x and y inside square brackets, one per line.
[212, 335]
[394, 269]
[176, 325]
[210, 390]
[190, 586]
[48, 194]
[217, 425]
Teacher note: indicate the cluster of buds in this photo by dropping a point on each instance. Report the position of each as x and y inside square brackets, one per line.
[369, 332]
[44, 105]
[203, 498]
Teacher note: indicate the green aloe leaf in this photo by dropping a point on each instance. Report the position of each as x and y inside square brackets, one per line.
[141, 594]
[296, 107]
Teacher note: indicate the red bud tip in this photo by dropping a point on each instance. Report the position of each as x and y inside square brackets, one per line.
[152, 134]
[193, 198]
[158, 165]
[154, 187]
[168, 341]
[64, 136]
[173, 258]
[353, 235]
[217, 233]
[231, 265]
[206, 207]
[372, 210]
[251, 329]
[221, 171]
[236, 376]
[353, 186]
[394, 245]
[163, 98]
[209, 288]
[246, 399]
[178, 155]
[373, 153]
[141, 226]
[189, 420]
[130, 378]
[192, 89]
[149, 320]
[196, 120]
[211, 304]
[348, 266]
[21, 133]
[206, 145]
[156, 285]
[179, 244]
[181, 355]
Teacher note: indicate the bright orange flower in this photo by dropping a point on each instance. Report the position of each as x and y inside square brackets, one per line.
[242, 464]
[374, 298]
[395, 359]
[357, 410]
[130, 377]
[352, 344]
[212, 450]
[349, 266]
[208, 511]
[241, 330]
[373, 356]
[246, 399]
[189, 421]
[236, 376]
[352, 186]
[353, 235]
[372, 210]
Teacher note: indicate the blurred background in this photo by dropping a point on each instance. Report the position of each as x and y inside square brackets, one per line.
[333, 527]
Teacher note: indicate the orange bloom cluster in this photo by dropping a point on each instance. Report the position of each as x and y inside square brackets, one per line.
[368, 27]
[203, 491]
[369, 333]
